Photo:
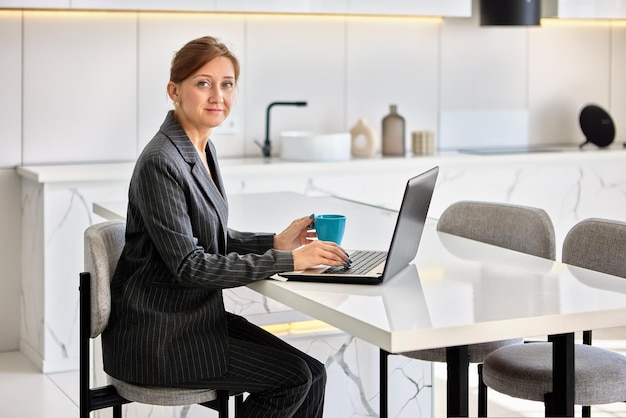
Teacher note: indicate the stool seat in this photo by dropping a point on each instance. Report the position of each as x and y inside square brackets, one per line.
[476, 352]
[165, 396]
[525, 371]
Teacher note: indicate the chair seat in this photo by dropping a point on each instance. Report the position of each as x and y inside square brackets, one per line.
[525, 371]
[154, 395]
[477, 352]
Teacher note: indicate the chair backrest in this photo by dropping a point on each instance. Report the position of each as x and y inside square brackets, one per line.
[597, 244]
[519, 228]
[103, 246]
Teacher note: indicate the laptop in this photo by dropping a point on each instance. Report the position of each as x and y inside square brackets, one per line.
[374, 267]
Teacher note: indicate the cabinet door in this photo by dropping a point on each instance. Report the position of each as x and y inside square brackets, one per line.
[461, 8]
[283, 6]
[591, 9]
[182, 5]
[38, 4]
[11, 98]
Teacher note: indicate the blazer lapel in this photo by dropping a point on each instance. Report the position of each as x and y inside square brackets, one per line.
[212, 188]
[211, 155]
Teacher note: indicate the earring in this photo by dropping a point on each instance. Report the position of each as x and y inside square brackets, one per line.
[176, 103]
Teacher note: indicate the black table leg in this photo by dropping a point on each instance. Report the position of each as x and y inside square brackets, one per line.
[384, 380]
[458, 363]
[563, 364]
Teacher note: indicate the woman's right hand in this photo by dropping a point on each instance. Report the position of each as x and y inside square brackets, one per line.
[319, 252]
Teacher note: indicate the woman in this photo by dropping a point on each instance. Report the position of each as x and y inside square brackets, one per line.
[168, 325]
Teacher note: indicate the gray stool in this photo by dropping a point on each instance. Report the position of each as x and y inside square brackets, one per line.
[519, 228]
[525, 371]
[103, 246]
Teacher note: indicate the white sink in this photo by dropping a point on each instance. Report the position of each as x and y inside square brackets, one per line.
[308, 146]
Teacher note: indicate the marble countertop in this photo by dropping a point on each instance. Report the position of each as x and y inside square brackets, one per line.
[77, 172]
[233, 167]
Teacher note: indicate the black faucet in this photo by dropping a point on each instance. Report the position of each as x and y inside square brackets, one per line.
[266, 147]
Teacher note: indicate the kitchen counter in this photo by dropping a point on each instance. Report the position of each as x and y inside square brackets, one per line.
[239, 167]
[569, 183]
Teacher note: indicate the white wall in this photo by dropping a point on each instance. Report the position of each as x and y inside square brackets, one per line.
[90, 86]
[10, 200]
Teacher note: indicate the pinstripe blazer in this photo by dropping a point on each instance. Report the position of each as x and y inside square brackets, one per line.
[168, 323]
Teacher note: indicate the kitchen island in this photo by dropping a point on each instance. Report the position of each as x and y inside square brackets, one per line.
[57, 207]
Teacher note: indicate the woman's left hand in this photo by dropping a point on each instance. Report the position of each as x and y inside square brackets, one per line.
[295, 235]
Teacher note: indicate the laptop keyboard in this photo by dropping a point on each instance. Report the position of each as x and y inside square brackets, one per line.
[362, 262]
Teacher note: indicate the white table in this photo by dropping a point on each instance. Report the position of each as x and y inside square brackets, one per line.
[462, 292]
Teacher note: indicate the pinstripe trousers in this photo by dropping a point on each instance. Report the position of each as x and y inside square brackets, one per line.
[281, 380]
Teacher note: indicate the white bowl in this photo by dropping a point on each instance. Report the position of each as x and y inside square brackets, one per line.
[307, 146]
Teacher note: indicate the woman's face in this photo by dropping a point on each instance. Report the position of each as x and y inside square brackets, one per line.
[206, 96]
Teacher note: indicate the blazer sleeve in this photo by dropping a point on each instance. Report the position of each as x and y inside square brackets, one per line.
[164, 194]
[249, 242]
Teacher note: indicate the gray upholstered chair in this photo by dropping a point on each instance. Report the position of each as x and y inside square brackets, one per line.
[520, 228]
[525, 371]
[103, 246]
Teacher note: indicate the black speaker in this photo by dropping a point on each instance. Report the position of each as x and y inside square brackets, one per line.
[510, 12]
[597, 126]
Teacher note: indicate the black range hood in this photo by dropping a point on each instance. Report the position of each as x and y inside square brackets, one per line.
[510, 12]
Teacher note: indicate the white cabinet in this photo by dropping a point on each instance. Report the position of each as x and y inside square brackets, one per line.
[354, 7]
[283, 6]
[11, 98]
[165, 5]
[572, 9]
[585, 9]
[459, 8]
[36, 4]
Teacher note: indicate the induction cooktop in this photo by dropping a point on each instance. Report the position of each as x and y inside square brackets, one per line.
[510, 150]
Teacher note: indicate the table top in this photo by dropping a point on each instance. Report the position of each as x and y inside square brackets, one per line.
[456, 292]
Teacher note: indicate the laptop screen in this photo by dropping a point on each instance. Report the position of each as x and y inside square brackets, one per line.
[411, 220]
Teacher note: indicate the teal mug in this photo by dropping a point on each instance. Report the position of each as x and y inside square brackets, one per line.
[330, 227]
